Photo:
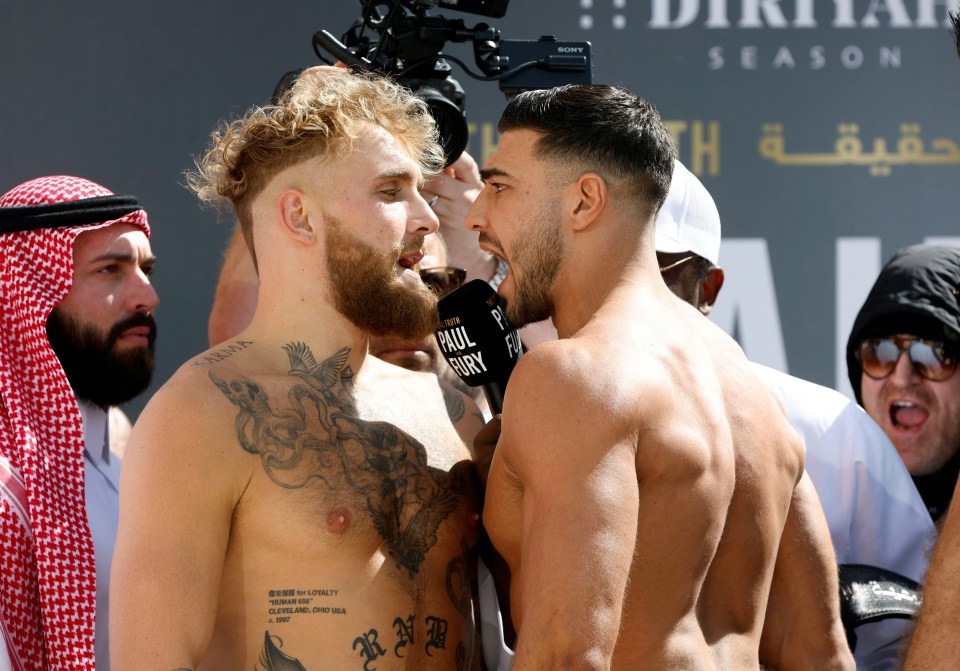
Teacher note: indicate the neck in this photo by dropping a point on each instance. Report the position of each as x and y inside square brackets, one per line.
[614, 269]
[291, 316]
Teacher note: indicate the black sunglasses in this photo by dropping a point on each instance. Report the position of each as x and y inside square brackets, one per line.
[932, 359]
[443, 279]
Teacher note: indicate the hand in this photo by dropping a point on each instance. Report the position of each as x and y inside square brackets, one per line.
[484, 445]
[451, 193]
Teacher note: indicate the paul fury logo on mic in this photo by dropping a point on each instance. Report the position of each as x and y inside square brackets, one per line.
[474, 335]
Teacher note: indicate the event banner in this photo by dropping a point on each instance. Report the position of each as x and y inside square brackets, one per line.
[827, 131]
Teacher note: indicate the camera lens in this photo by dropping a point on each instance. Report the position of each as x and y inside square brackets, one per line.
[451, 121]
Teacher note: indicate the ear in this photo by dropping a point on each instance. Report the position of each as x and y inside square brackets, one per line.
[588, 199]
[709, 289]
[293, 217]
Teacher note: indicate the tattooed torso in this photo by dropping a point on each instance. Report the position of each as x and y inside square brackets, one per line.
[352, 543]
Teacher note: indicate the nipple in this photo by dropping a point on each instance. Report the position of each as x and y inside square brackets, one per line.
[338, 520]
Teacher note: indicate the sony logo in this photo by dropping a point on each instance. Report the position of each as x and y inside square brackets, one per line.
[800, 13]
[570, 50]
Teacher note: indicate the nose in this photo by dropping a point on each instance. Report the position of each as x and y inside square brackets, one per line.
[143, 298]
[904, 372]
[424, 220]
[476, 219]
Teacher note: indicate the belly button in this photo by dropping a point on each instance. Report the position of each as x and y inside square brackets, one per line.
[338, 520]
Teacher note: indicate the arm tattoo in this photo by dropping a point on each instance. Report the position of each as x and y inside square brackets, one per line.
[314, 433]
[455, 405]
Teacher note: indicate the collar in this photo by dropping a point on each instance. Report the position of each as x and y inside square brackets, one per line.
[95, 442]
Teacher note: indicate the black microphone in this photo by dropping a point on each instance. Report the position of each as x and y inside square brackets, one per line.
[477, 340]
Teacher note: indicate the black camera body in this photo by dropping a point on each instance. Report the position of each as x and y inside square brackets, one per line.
[399, 39]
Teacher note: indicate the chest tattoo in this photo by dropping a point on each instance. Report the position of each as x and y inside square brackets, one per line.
[313, 433]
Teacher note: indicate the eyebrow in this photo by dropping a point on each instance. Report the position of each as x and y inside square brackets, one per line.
[487, 173]
[399, 173]
[402, 174]
[122, 257]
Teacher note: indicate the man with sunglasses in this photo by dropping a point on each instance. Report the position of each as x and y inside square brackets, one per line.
[902, 362]
[872, 509]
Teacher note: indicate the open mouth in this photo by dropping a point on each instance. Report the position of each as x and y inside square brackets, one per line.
[410, 260]
[907, 416]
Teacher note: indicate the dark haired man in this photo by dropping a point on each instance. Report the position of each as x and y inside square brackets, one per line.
[78, 337]
[643, 476]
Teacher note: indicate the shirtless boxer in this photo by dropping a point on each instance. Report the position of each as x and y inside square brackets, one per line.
[643, 476]
[290, 502]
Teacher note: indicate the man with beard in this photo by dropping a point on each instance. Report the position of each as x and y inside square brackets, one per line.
[78, 336]
[643, 477]
[902, 360]
[289, 501]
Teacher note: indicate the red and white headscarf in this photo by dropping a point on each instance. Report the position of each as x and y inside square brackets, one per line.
[47, 575]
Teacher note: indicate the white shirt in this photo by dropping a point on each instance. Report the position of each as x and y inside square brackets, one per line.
[875, 514]
[102, 490]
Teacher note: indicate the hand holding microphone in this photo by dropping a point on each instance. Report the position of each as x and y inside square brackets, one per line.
[477, 340]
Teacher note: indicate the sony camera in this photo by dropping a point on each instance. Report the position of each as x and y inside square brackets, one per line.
[403, 40]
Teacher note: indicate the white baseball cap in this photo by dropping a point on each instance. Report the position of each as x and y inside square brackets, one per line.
[689, 220]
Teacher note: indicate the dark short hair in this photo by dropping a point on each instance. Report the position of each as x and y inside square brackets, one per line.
[602, 129]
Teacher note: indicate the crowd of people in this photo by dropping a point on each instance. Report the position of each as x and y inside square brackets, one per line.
[318, 490]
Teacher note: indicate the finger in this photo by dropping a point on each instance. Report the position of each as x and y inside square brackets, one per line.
[465, 169]
[489, 434]
[439, 186]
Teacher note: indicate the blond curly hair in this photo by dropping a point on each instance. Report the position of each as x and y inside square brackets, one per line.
[322, 116]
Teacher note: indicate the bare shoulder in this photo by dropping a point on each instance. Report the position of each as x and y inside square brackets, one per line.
[190, 421]
[563, 398]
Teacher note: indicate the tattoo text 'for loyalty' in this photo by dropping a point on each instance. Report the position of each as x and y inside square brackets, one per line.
[285, 603]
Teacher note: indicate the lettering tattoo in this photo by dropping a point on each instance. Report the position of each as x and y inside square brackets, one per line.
[222, 353]
[285, 604]
[370, 649]
[404, 634]
[436, 634]
[315, 433]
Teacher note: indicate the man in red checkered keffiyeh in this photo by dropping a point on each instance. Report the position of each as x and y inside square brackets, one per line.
[47, 572]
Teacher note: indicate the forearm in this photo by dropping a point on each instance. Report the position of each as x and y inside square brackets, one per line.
[802, 629]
